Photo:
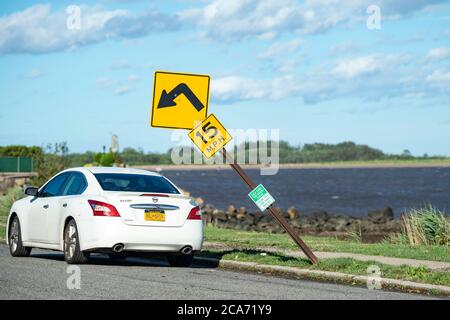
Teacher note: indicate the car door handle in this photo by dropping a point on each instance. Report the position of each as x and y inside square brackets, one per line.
[65, 205]
[46, 206]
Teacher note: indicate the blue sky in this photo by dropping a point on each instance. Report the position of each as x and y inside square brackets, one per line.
[310, 68]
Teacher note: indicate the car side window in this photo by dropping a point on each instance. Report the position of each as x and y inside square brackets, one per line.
[54, 187]
[75, 185]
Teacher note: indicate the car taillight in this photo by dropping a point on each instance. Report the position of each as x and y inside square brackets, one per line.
[195, 214]
[103, 209]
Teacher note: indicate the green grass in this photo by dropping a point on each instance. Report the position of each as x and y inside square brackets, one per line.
[343, 265]
[248, 239]
[6, 202]
[2, 227]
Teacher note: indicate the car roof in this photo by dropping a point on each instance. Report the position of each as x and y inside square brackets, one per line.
[96, 170]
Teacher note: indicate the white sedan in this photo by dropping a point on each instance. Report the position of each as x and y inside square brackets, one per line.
[106, 210]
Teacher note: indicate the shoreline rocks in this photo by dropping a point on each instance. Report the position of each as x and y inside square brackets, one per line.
[372, 228]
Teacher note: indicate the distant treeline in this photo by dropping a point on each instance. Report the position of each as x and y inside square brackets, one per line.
[307, 153]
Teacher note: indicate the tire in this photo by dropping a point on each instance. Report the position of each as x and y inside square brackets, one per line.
[16, 248]
[178, 260]
[117, 256]
[72, 252]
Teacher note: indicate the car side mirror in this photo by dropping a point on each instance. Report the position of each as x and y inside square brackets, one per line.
[32, 191]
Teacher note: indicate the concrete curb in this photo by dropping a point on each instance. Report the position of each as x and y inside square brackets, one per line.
[334, 277]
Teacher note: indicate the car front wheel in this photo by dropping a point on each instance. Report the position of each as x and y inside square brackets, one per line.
[72, 251]
[16, 247]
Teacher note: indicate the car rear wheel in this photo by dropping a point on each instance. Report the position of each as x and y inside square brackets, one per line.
[16, 247]
[72, 251]
[180, 260]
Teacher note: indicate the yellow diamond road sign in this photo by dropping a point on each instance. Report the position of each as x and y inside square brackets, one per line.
[210, 136]
[179, 100]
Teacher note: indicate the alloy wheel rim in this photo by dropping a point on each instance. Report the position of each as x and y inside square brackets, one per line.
[14, 238]
[70, 241]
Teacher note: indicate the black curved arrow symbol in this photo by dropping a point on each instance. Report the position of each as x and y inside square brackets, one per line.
[167, 99]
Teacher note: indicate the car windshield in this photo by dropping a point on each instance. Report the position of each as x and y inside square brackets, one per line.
[135, 183]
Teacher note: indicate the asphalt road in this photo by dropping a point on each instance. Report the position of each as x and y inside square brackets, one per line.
[44, 276]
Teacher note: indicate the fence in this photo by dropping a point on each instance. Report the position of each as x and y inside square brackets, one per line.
[16, 164]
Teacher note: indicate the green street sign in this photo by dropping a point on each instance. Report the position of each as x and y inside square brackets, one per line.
[261, 197]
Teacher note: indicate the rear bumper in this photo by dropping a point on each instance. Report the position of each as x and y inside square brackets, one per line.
[105, 232]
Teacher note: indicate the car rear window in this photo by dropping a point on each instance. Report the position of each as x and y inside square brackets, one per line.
[134, 183]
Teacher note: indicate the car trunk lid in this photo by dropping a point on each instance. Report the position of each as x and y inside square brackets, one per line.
[134, 207]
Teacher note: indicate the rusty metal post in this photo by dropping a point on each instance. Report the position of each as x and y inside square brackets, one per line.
[273, 211]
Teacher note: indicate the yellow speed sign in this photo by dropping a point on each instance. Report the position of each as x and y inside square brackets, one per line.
[210, 136]
[179, 99]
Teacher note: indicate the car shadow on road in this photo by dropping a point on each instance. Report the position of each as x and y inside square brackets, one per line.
[158, 260]
[256, 255]
[149, 260]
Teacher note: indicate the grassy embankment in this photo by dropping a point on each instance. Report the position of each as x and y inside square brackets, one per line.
[252, 240]
[248, 242]
[2, 227]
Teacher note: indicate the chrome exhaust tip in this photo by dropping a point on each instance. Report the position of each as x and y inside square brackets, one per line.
[186, 250]
[118, 247]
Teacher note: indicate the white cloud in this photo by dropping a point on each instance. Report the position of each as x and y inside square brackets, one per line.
[265, 19]
[439, 76]
[104, 82]
[38, 29]
[351, 68]
[33, 74]
[287, 66]
[230, 89]
[269, 35]
[281, 48]
[120, 91]
[120, 65]
[345, 47]
[406, 7]
[133, 78]
[229, 19]
[438, 53]
[237, 19]
[234, 87]
[366, 78]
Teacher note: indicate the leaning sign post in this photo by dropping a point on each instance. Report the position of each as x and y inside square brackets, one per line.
[180, 101]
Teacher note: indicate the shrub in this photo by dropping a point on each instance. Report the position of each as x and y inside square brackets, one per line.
[53, 160]
[105, 160]
[6, 201]
[355, 234]
[108, 160]
[426, 226]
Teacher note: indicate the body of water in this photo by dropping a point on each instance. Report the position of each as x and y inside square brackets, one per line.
[353, 191]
